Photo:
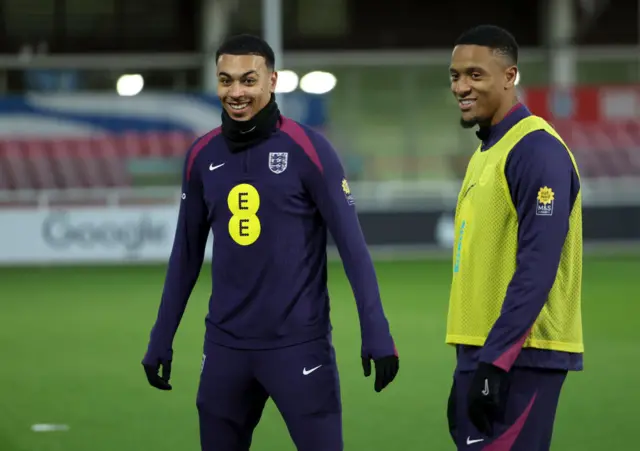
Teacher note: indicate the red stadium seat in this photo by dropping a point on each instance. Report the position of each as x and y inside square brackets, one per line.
[604, 150]
[93, 162]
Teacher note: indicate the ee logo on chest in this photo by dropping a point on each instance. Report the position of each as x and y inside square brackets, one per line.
[244, 225]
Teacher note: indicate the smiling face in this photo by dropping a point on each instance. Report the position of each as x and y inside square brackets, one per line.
[482, 81]
[245, 85]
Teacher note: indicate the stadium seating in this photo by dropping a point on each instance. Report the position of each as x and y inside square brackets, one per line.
[98, 161]
[602, 151]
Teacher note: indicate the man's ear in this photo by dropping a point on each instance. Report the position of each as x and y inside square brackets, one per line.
[511, 75]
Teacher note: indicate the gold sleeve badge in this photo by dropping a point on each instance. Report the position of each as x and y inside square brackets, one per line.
[347, 191]
[345, 187]
[545, 195]
[544, 205]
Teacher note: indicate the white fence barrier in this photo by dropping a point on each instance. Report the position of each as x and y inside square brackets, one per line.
[88, 235]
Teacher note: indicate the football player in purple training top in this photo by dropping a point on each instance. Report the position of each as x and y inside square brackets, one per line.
[269, 188]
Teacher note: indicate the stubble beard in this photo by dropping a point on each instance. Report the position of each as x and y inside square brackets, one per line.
[468, 123]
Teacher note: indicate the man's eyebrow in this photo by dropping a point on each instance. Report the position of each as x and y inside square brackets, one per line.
[246, 74]
[467, 69]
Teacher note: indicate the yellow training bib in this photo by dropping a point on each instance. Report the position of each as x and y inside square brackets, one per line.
[484, 254]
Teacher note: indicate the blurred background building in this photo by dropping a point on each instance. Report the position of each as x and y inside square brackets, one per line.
[101, 98]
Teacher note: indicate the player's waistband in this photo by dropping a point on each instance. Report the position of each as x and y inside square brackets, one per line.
[218, 336]
[467, 359]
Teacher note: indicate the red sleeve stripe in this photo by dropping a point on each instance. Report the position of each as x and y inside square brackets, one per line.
[506, 360]
[198, 146]
[300, 137]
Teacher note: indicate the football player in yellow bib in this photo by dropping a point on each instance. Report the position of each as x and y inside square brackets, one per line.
[514, 310]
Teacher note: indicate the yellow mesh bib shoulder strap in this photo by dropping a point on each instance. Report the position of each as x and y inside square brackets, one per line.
[531, 124]
[521, 129]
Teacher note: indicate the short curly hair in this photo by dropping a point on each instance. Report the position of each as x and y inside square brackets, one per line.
[496, 38]
[247, 44]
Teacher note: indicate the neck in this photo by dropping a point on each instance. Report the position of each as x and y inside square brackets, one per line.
[504, 110]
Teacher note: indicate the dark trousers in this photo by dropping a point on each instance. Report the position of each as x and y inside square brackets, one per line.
[531, 407]
[302, 380]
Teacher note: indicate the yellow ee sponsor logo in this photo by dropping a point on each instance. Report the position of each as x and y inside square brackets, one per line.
[244, 224]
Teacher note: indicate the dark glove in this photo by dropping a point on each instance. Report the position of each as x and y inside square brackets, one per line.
[386, 370]
[487, 397]
[151, 370]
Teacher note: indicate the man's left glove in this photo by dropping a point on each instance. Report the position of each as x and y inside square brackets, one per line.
[487, 397]
[386, 370]
[152, 369]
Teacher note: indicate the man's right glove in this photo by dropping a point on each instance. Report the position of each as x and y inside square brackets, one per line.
[487, 397]
[386, 370]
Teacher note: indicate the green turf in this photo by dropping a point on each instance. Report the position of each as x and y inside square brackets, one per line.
[72, 340]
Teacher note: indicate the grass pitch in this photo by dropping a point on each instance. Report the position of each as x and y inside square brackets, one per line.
[72, 339]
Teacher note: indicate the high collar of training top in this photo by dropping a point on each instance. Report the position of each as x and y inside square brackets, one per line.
[241, 135]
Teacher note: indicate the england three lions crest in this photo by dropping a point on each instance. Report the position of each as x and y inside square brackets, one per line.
[278, 161]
